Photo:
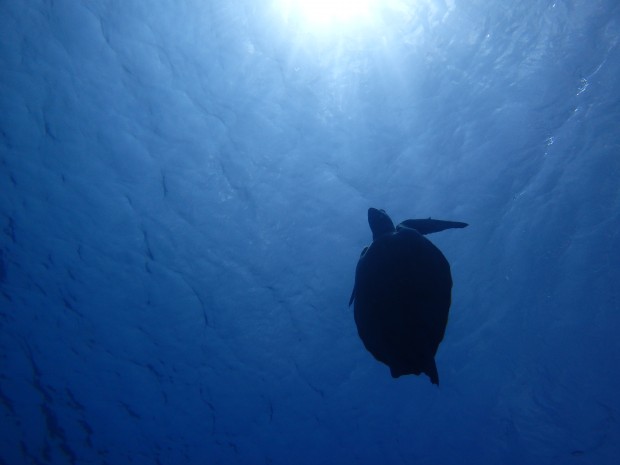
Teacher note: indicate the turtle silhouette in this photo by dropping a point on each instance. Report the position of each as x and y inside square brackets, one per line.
[402, 294]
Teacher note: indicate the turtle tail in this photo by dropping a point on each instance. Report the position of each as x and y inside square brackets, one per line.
[431, 371]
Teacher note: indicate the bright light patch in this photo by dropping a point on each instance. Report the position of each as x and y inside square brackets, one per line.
[322, 12]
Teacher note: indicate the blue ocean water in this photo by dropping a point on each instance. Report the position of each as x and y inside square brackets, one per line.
[183, 196]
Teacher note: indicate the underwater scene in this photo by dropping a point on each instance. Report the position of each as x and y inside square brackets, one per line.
[306, 232]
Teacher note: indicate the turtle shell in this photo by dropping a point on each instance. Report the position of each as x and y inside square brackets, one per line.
[402, 298]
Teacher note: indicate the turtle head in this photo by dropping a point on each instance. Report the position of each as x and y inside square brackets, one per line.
[380, 223]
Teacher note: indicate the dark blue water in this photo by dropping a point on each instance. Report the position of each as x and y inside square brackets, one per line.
[183, 196]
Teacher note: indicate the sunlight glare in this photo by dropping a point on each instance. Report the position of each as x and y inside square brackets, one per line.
[324, 12]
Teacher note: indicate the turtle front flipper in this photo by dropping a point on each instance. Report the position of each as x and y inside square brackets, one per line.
[353, 292]
[352, 296]
[429, 225]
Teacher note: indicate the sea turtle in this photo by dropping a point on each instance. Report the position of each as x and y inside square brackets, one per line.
[402, 294]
